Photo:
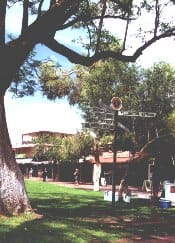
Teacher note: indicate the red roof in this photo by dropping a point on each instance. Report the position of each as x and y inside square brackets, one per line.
[108, 157]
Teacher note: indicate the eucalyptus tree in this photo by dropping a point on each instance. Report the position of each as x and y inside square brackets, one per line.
[93, 89]
[46, 27]
[157, 90]
[96, 85]
[149, 90]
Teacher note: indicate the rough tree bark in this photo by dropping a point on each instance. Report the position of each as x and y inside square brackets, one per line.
[13, 196]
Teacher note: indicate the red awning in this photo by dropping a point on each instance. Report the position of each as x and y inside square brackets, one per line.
[122, 157]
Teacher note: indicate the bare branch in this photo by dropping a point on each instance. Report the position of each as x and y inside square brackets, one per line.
[3, 5]
[39, 8]
[90, 39]
[168, 33]
[127, 24]
[52, 3]
[157, 16]
[81, 19]
[49, 23]
[25, 16]
[100, 25]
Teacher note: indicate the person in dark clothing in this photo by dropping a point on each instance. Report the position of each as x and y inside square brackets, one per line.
[156, 178]
[76, 176]
[44, 174]
[159, 171]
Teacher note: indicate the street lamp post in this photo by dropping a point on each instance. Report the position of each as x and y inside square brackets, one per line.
[116, 105]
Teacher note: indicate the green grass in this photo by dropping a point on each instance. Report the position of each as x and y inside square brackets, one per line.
[70, 215]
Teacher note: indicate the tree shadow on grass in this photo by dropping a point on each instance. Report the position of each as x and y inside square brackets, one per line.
[72, 218]
[137, 218]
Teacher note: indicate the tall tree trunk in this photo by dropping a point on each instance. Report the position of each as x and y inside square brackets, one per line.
[13, 196]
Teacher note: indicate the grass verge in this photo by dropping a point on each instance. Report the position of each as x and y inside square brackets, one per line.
[69, 215]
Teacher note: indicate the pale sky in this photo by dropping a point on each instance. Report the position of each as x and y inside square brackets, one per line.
[37, 113]
[33, 114]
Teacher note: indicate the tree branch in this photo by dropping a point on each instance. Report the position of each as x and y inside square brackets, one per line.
[168, 33]
[25, 16]
[3, 5]
[127, 24]
[50, 22]
[100, 25]
[39, 8]
[81, 19]
[157, 16]
[77, 58]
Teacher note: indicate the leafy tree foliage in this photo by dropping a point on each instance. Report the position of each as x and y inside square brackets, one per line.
[157, 92]
[148, 90]
[63, 149]
[53, 82]
[170, 121]
[25, 82]
[95, 86]
[158, 87]
[47, 148]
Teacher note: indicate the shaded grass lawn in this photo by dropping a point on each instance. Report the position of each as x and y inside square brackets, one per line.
[70, 215]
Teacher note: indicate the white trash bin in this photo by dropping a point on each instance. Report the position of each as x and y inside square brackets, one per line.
[103, 181]
[126, 198]
[108, 196]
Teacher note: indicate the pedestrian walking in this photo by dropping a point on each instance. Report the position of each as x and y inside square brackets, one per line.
[76, 176]
[44, 175]
[30, 173]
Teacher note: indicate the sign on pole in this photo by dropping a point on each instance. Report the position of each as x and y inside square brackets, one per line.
[137, 113]
[103, 118]
[116, 104]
